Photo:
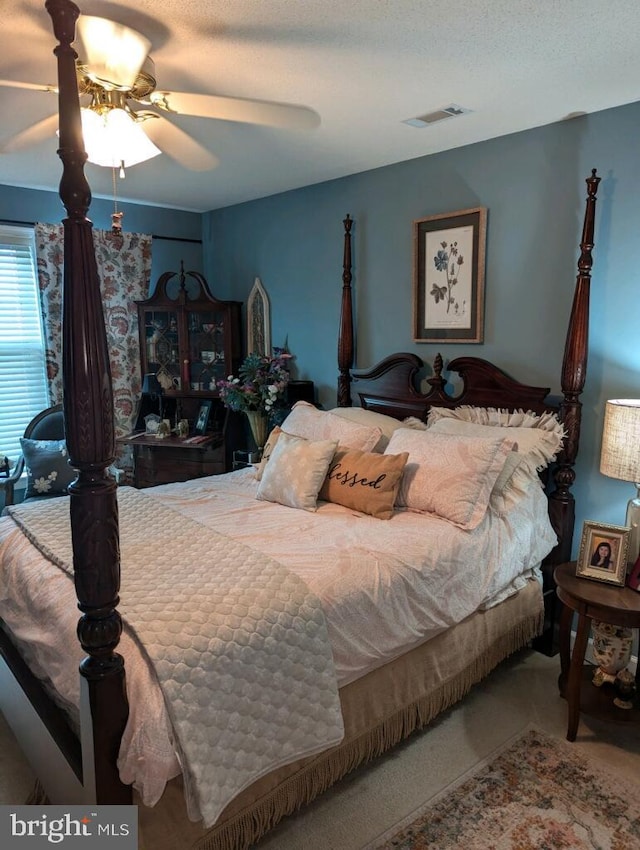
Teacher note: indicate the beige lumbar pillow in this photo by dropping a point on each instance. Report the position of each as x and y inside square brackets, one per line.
[364, 481]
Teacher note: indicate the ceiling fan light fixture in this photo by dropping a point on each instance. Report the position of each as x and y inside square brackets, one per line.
[112, 53]
[114, 139]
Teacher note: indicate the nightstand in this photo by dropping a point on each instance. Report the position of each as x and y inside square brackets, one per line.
[591, 600]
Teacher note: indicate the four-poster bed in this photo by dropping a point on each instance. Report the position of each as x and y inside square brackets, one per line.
[396, 693]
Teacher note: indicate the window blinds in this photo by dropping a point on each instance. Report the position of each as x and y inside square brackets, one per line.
[23, 386]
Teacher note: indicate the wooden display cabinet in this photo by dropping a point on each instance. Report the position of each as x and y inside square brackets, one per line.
[189, 339]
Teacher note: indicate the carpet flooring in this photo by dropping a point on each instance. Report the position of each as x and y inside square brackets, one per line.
[522, 693]
[535, 793]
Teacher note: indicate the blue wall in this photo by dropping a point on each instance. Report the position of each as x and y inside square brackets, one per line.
[31, 205]
[533, 186]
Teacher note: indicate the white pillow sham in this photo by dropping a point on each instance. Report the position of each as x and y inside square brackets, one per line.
[296, 471]
[451, 477]
[538, 440]
[308, 422]
[539, 437]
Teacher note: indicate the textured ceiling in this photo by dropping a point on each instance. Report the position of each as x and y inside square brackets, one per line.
[363, 65]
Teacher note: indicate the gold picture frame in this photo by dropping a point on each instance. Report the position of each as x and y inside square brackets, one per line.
[603, 552]
[448, 276]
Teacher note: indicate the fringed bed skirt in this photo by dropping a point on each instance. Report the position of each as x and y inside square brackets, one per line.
[380, 710]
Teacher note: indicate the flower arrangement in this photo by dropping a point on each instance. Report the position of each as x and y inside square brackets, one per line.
[260, 384]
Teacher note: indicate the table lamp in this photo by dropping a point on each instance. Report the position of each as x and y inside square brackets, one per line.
[620, 457]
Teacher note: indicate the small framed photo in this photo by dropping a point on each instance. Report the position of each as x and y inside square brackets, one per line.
[202, 419]
[448, 276]
[603, 552]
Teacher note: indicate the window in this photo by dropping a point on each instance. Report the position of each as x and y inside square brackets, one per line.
[23, 385]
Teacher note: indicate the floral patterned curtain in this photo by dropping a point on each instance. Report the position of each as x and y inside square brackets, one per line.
[124, 267]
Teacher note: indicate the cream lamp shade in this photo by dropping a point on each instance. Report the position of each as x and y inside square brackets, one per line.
[620, 456]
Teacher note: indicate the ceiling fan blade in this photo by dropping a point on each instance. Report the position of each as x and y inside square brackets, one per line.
[247, 111]
[179, 145]
[30, 86]
[45, 129]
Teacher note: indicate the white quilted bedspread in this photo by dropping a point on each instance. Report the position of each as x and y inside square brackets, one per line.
[384, 586]
[238, 642]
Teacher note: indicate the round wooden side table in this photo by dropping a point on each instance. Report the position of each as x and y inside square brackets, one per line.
[591, 600]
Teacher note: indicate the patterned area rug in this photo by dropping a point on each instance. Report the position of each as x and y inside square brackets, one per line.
[537, 793]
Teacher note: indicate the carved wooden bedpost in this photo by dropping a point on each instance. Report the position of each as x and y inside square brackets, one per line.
[345, 338]
[574, 369]
[89, 430]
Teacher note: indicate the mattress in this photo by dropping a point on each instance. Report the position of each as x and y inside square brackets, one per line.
[385, 588]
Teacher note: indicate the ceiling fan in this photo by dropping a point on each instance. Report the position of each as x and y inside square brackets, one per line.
[125, 116]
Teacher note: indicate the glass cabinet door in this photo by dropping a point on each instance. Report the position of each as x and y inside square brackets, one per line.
[162, 350]
[206, 341]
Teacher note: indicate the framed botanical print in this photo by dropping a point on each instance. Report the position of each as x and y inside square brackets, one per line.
[448, 276]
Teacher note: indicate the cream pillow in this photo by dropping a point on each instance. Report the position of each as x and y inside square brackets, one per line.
[451, 477]
[386, 424]
[295, 472]
[458, 428]
[308, 422]
[539, 436]
[364, 481]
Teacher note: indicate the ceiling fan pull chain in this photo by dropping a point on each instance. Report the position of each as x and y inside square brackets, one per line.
[116, 217]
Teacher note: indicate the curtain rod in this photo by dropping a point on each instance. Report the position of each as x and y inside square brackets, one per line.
[153, 235]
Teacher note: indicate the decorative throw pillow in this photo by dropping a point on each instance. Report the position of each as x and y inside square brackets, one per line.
[295, 472]
[308, 422]
[364, 481]
[386, 424]
[539, 436]
[269, 446]
[47, 464]
[538, 440]
[451, 477]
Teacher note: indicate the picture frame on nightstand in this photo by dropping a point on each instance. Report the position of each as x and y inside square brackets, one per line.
[603, 552]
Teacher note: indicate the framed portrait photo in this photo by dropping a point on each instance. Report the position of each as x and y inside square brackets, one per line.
[603, 552]
[448, 276]
[202, 419]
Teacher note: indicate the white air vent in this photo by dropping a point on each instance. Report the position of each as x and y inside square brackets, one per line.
[451, 111]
